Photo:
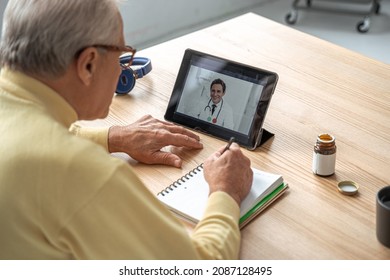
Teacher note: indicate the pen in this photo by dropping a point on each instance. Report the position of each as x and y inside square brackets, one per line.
[231, 140]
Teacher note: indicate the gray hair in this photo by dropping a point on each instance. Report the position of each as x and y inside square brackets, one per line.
[42, 37]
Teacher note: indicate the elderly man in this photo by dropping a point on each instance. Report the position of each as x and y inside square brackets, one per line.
[62, 196]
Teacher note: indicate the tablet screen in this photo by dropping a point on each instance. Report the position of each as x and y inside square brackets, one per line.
[220, 97]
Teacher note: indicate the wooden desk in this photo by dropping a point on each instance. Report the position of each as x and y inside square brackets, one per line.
[322, 88]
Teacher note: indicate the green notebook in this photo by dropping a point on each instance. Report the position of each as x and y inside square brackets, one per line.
[187, 196]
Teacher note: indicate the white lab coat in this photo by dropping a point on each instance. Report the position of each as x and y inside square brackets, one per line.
[222, 116]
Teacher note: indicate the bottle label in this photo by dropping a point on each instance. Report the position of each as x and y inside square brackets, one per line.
[324, 165]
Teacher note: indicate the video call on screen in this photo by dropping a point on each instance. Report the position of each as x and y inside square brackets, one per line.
[239, 101]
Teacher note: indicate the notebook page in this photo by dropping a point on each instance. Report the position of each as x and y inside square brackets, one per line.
[263, 184]
[190, 196]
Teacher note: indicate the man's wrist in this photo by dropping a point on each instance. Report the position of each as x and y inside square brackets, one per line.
[112, 139]
[233, 195]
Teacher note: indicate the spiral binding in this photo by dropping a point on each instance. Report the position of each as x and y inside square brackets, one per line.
[181, 180]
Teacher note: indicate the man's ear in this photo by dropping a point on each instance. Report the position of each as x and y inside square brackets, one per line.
[86, 65]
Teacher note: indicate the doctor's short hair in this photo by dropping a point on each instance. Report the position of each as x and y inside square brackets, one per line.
[42, 37]
[218, 82]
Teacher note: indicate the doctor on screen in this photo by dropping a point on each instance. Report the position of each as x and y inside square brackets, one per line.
[217, 110]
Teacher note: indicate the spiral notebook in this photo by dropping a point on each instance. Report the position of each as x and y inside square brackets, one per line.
[187, 196]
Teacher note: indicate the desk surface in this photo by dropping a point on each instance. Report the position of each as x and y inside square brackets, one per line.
[322, 88]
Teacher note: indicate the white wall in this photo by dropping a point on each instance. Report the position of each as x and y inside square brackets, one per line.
[3, 3]
[147, 22]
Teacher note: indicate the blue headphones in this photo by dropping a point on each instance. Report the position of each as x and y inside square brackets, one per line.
[127, 78]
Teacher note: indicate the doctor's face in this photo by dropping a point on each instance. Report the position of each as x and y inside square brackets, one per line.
[216, 93]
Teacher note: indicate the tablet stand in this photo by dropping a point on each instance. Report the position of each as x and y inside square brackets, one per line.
[263, 137]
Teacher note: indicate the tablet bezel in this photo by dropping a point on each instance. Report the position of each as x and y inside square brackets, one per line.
[258, 76]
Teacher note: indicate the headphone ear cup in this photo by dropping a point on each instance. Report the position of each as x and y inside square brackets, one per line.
[126, 81]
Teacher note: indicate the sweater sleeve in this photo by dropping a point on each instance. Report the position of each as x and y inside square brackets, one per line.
[98, 135]
[217, 235]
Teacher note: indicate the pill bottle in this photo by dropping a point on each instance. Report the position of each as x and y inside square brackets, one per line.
[324, 155]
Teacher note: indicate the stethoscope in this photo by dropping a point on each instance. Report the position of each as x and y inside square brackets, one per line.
[209, 108]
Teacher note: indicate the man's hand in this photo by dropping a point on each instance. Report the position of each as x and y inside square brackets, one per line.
[229, 172]
[144, 139]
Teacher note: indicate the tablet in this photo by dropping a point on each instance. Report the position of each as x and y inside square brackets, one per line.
[222, 98]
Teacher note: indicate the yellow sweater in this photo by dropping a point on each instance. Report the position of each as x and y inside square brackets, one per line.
[64, 197]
